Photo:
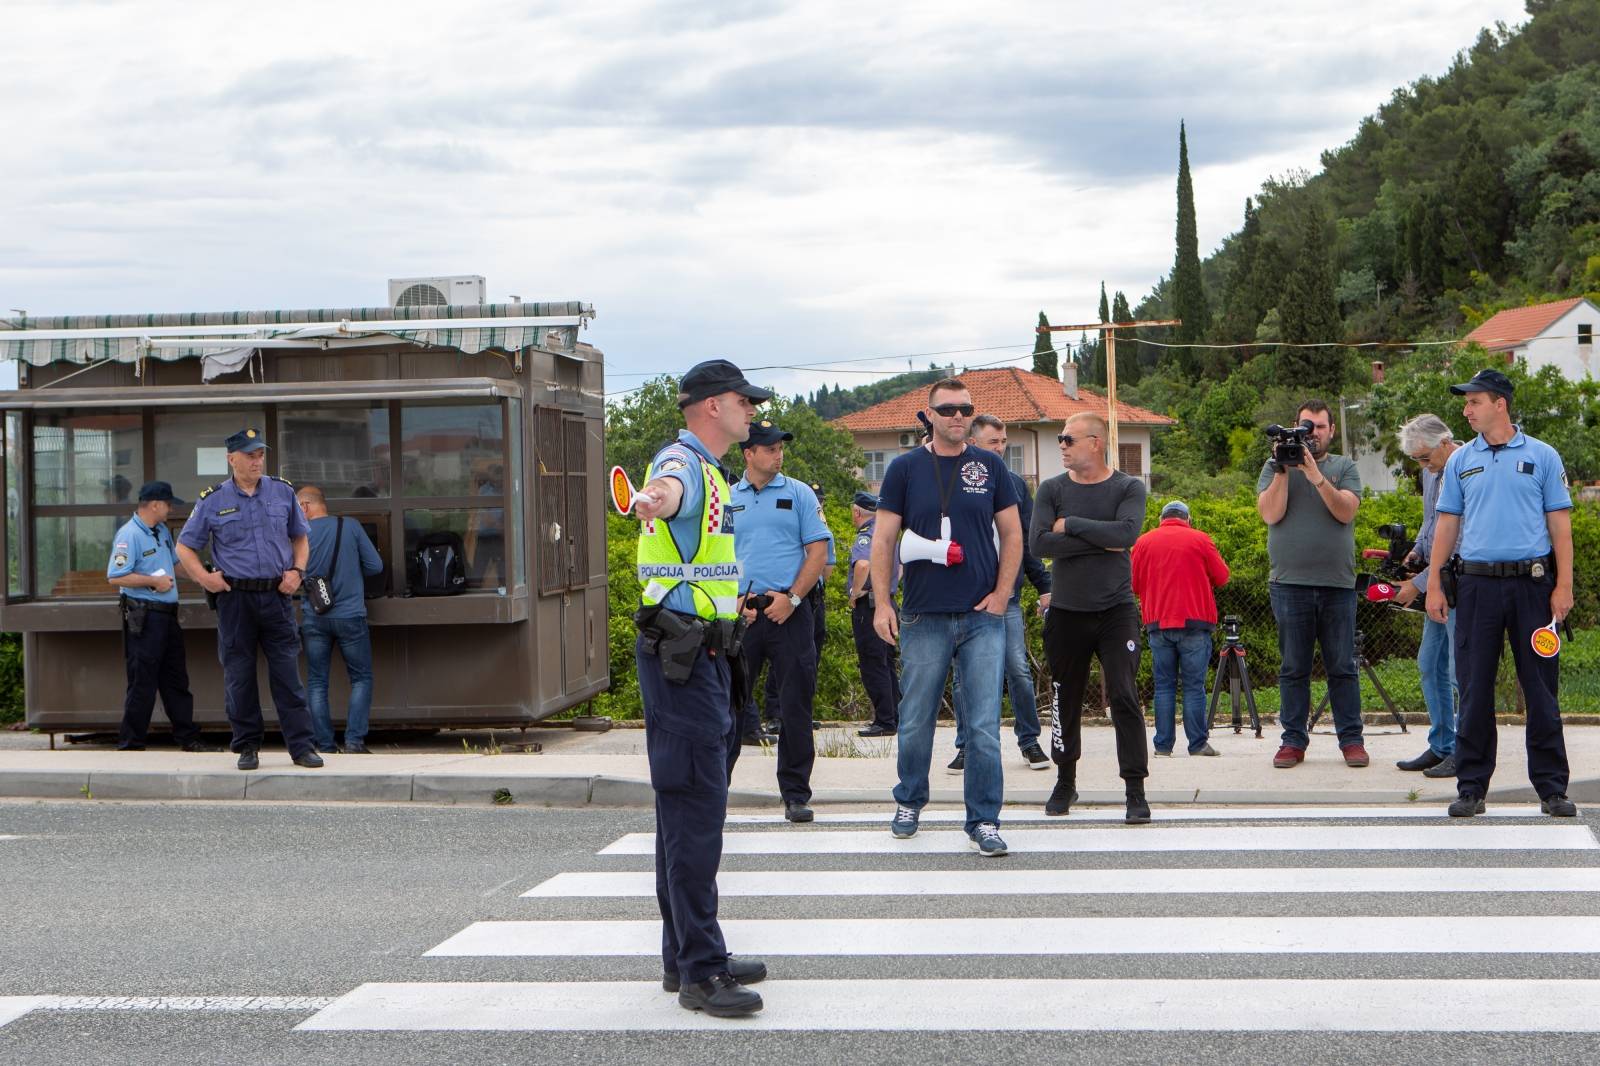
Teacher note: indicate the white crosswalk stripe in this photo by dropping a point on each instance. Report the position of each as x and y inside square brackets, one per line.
[1527, 863]
[1035, 813]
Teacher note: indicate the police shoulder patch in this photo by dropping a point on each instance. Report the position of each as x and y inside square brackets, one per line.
[206, 492]
[672, 462]
[285, 480]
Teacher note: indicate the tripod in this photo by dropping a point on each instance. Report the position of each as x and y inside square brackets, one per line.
[1366, 668]
[1232, 671]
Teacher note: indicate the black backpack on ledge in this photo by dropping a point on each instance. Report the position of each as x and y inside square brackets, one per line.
[438, 565]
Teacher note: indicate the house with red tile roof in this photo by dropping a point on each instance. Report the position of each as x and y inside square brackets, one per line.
[1033, 407]
[1559, 334]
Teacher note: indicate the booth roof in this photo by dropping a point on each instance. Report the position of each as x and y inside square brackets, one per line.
[560, 340]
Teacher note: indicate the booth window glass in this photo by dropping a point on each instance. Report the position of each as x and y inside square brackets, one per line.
[190, 452]
[70, 554]
[482, 534]
[452, 449]
[89, 458]
[13, 446]
[342, 450]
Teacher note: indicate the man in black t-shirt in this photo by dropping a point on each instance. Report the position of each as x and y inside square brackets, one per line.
[960, 570]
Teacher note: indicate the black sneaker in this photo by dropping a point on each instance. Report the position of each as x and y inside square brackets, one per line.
[1558, 806]
[745, 971]
[1138, 812]
[1466, 806]
[196, 745]
[1037, 759]
[1061, 798]
[795, 811]
[1445, 767]
[719, 996]
[958, 765]
[248, 759]
[309, 759]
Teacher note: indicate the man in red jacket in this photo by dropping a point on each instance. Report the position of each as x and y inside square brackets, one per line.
[1175, 567]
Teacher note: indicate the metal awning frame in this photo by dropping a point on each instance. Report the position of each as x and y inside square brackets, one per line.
[250, 331]
[260, 393]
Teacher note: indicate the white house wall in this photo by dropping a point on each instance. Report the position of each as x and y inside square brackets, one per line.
[1558, 345]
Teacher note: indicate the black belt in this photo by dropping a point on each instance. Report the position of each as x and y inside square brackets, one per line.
[150, 605]
[254, 584]
[1521, 568]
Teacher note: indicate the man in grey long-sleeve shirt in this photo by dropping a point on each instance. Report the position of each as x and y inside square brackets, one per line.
[1085, 520]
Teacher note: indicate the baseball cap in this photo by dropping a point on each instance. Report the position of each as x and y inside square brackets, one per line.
[714, 377]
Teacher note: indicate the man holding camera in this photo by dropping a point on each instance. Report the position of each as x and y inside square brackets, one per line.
[1427, 440]
[1505, 506]
[1308, 499]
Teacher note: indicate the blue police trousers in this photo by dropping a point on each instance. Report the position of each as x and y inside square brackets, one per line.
[246, 621]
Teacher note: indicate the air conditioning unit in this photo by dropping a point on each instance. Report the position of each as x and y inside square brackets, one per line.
[910, 440]
[457, 290]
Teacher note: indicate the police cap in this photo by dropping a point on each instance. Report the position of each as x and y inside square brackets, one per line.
[762, 431]
[713, 378]
[866, 501]
[153, 491]
[1485, 381]
[247, 440]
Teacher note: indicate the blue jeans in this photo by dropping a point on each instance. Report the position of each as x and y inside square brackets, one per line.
[1325, 616]
[1436, 662]
[930, 644]
[1185, 654]
[355, 647]
[1019, 683]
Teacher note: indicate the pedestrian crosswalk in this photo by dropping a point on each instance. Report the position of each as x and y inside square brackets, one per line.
[1443, 897]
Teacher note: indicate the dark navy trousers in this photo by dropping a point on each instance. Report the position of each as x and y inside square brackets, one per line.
[1488, 611]
[156, 664]
[246, 621]
[878, 675]
[689, 729]
[790, 651]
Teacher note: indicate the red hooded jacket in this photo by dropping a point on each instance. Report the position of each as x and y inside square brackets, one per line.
[1175, 567]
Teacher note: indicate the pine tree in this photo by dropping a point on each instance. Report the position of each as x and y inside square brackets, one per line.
[1309, 313]
[1044, 352]
[1188, 292]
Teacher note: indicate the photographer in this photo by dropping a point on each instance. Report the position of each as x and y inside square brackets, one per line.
[1427, 440]
[1308, 500]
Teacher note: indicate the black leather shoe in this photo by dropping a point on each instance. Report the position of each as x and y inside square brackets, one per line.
[196, 745]
[1422, 762]
[248, 759]
[875, 731]
[1446, 768]
[309, 759]
[1558, 806]
[1466, 806]
[1061, 798]
[357, 749]
[796, 812]
[745, 971]
[1138, 808]
[720, 996]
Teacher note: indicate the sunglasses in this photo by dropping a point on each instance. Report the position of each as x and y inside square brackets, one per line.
[1069, 440]
[1424, 457]
[950, 410]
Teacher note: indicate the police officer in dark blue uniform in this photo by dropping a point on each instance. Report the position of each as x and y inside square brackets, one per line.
[688, 634]
[144, 566]
[259, 545]
[875, 656]
[1504, 534]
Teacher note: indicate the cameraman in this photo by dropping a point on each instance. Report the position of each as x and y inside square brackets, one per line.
[1308, 501]
[1427, 440]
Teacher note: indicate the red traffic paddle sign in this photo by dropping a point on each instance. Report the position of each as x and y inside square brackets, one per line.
[1546, 641]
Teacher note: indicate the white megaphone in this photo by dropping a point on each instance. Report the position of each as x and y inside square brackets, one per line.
[944, 551]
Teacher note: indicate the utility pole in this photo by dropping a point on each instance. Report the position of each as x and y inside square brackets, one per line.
[1110, 330]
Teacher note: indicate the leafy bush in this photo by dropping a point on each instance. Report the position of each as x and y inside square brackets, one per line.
[11, 691]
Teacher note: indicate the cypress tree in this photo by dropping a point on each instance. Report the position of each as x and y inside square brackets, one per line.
[1188, 291]
[1309, 312]
[1243, 302]
[1127, 349]
[1044, 352]
[1474, 230]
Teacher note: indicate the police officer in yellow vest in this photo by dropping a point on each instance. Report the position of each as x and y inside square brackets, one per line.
[689, 631]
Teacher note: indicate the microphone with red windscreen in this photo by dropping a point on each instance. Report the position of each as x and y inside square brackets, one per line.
[1380, 592]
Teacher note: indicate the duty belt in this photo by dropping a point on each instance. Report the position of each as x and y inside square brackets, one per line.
[1535, 568]
[149, 605]
[254, 584]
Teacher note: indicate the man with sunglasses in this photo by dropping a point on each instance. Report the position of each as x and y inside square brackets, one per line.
[1085, 520]
[1428, 441]
[949, 494]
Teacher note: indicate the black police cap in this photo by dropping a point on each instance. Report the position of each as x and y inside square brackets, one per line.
[866, 501]
[153, 491]
[247, 440]
[762, 431]
[713, 378]
[1486, 381]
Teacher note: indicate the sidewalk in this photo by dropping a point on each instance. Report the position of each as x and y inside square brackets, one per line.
[610, 770]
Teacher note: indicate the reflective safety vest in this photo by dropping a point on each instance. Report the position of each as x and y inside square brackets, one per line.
[713, 573]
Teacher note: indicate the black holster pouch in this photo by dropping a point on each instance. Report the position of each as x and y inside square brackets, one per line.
[134, 615]
[672, 638]
[1447, 579]
[211, 597]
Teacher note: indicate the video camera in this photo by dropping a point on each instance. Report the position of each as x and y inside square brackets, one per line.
[1392, 571]
[1289, 442]
[1231, 628]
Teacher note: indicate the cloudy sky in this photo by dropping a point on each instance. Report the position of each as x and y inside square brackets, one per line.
[774, 182]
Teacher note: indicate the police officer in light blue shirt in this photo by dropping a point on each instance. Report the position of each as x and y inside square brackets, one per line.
[782, 543]
[1505, 514]
[259, 545]
[144, 568]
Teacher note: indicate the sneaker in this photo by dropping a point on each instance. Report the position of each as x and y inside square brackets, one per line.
[1163, 754]
[795, 811]
[1466, 806]
[1355, 755]
[1558, 806]
[1207, 750]
[1444, 768]
[904, 826]
[1037, 759]
[958, 765]
[1287, 756]
[1138, 812]
[1061, 799]
[985, 839]
[248, 759]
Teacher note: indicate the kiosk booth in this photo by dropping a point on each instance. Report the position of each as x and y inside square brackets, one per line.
[485, 421]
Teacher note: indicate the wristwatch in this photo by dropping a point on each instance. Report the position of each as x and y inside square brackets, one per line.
[299, 570]
[795, 601]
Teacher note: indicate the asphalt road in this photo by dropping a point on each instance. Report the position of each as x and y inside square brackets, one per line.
[167, 902]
